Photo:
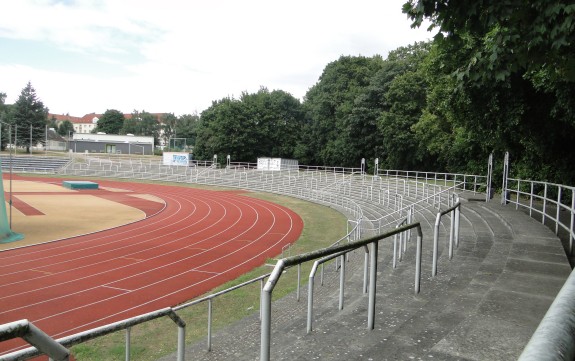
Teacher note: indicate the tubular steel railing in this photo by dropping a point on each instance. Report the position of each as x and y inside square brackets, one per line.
[282, 264]
[548, 202]
[474, 183]
[399, 189]
[56, 349]
[554, 339]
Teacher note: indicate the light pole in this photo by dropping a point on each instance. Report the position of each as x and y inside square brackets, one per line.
[9, 140]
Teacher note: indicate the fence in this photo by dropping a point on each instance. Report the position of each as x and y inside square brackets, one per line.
[319, 185]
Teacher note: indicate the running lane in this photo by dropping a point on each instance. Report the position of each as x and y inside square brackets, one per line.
[195, 241]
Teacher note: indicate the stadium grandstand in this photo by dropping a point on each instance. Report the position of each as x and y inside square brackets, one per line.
[434, 266]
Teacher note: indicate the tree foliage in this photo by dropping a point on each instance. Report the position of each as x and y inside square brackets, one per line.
[4, 119]
[29, 118]
[186, 127]
[511, 35]
[498, 76]
[260, 124]
[502, 80]
[66, 128]
[111, 122]
[142, 123]
[329, 134]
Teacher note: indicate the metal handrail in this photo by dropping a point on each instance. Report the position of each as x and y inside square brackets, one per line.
[94, 333]
[553, 339]
[477, 180]
[514, 194]
[283, 263]
[334, 248]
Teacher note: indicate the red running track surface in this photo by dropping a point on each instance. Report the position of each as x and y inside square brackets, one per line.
[199, 240]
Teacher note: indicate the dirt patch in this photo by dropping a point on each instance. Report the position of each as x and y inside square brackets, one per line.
[65, 213]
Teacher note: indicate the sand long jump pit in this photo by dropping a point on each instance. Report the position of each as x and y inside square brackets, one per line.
[45, 210]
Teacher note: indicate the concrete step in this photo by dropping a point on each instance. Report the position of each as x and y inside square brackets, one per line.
[484, 304]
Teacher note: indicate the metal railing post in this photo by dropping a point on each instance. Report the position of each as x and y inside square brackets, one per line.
[418, 260]
[435, 244]
[372, 285]
[210, 324]
[299, 280]
[505, 176]
[489, 176]
[181, 342]
[451, 233]
[544, 204]
[457, 217]
[267, 311]
[365, 269]
[128, 342]
[558, 209]
[341, 281]
[310, 298]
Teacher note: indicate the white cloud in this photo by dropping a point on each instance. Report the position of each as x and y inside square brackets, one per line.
[178, 56]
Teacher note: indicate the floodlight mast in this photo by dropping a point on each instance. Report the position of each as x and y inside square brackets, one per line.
[9, 140]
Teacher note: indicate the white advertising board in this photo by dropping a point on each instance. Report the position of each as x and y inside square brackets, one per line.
[277, 164]
[177, 158]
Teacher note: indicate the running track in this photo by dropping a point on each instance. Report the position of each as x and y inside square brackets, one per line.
[194, 242]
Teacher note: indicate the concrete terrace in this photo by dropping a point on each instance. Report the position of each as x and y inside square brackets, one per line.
[484, 304]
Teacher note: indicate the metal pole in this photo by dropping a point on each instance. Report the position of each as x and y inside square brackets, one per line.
[457, 216]
[298, 280]
[181, 343]
[210, 324]
[435, 242]
[451, 233]
[418, 262]
[265, 329]
[341, 281]
[558, 209]
[310, 303]
[505, 175]
[372, 285]
[128, 342]
[365, 269]
[11, 160]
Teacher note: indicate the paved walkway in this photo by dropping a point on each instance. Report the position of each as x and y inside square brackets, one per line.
[483, 305]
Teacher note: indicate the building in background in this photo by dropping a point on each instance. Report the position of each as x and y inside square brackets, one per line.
[111, 143]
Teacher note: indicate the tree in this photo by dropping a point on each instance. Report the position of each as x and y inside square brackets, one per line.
[4, 128]
[327, 137]
[514, 81]
[406, 97]
[29, 115]
[142, 123]
[513, 35]
[259, 124]
[186, 127]
[111, 122]
[169, 121]
[66, 128]
[378, 107]
[149, 126]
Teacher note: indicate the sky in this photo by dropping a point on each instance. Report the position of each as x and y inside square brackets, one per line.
[178, 56]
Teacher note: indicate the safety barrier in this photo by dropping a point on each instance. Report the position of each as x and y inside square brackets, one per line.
[553, 339]
[282, 264]
[56, 349]
[341, 177]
